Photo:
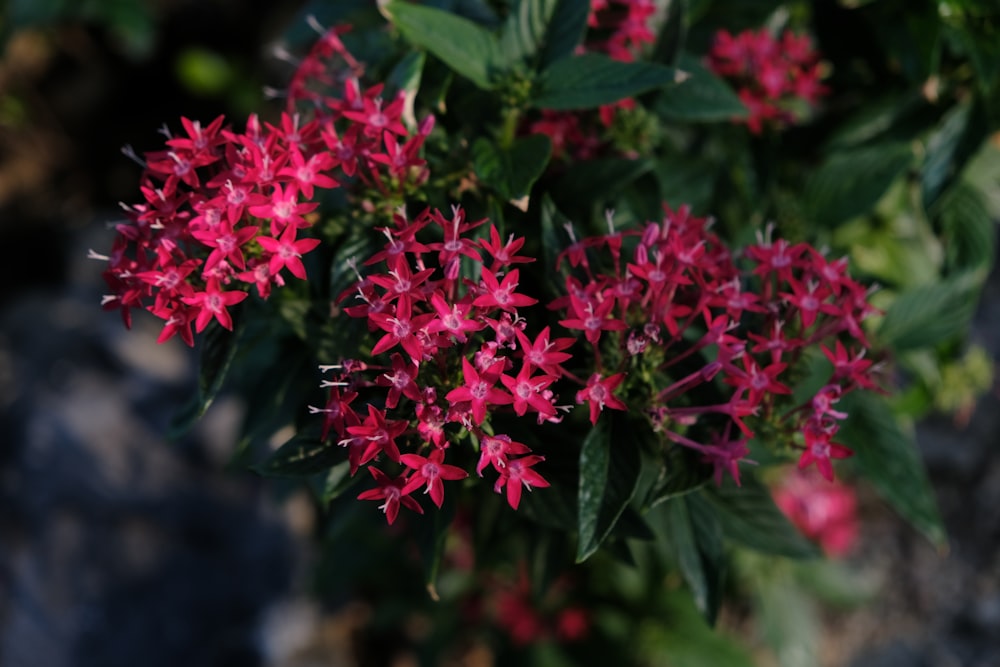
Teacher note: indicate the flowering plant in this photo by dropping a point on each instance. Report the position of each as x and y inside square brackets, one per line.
[413, 271]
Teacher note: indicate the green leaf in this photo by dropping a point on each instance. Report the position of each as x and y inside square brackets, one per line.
[523, 33]
[933, 313]
[338, 480]
[592, 80]
[687, 180]
[702, 97]
[850, 182]
[301, 456]
[512, 171]
[465, 47]
[609, 471]
[888, 457]
[218, 348]
[682, 473]
[695, 540]
[749, 517]
[565, 30]
[673, 31]
[952, 145]
[968, 228]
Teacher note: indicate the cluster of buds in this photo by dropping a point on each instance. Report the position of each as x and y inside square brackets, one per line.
[708, 350]
[775, 78]
[455, 353]
[225, 211]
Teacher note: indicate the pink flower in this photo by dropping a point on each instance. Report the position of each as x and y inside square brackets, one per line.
[430, 470]
[598, 393]
[391, 492]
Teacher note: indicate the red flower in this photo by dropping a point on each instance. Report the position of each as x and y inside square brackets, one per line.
[430, 470]
[391, 491]
[518, 473]
[480, 390]
[598, 394]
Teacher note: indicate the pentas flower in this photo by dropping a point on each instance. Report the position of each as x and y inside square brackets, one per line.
[461, 366]
[222, 207]
[772, 76]
[683, 300]
[390, 492]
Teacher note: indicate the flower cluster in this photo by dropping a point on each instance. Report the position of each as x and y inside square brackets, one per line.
[455, 352]
[226, 211]
[526, 620]
[710, 349]
[773, 77]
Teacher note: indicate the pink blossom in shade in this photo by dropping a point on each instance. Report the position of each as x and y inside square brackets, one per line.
[544, 354]
[593, 319]
[226, 243]
[430, 424]
[308, 174]
[402, 328]
[856, 370]
[825, 512]
[480, 390]
[390, 491]
[400, 281]
[381, 434]
[505, 254]
[598, 393]
[820, 449]
[495, 450]
[452, 319]
[517, 474]
[497, 294]
[286, 252]
[401, 381]
[212, 304]
[430, 471]
[283, 209]
[529, 392]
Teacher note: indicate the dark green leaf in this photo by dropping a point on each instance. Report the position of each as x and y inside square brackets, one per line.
[851, 182]
[682, 473]
[592, 80]
[702, 97]
[931, 314]
[695, 540]
[958, 137]
[609, 471]
[595, 456]
[749, 517]
[511, 172]
[888, 457]
[218, 347]
[670, 40]
[565, 30]
[524, 32]
[464, 46]
[303, 455]
[969, 229]
[338, 480]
